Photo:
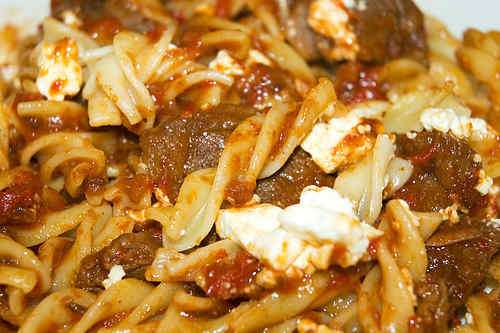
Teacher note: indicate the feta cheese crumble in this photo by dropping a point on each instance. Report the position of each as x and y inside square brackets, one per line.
[484, 184]
[225, 64]
[447, 120]
[340, 141]
[60, 73]
[319, 231]
[331, 19]
[115, 274]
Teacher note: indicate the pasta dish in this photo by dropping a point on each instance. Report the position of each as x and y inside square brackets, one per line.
[310, 166]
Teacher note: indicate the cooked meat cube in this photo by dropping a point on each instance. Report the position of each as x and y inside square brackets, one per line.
[455, 269]
[133, 251]
[182, 144]
[444, 172]
[374, 31]
[389, 29]
[283, 189]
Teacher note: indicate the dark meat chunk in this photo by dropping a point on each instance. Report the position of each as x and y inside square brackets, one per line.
[284, 188]
[444, 172]
[230, 278]
[21, 201]
[454, 271]
[102, 19]
[356, 83]
[385, 30]
[389, 29]
[299, 34]
[182, 144]
[133, 251]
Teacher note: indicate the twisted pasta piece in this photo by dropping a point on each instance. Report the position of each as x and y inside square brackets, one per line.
[395, 273]
[72, 154]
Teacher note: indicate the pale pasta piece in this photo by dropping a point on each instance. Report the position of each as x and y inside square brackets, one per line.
[123, 295]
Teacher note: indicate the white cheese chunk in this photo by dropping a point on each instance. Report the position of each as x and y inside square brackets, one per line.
[484, 184]
[302, 237]
[447, 120]
[225, 64]
[115, 274]
[330, 18]
[60, 73]
[340, 142]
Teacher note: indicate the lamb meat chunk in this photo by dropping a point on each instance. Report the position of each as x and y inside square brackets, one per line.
[454, 271]
[384, 30]
[444, 172]
[389, 29]
[133, 251]
[102, 19]
[283, 189]
[184, 143]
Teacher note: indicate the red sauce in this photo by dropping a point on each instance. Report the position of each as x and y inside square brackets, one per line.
[21, 202]
[356, 83]
[230, 278]
[104, 29]
[223, 8]
[155, 33]
[259, 84]
[238, 192]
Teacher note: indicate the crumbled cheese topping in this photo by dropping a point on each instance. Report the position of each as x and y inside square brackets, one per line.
[330, 18]
[447, 120]
[303, 237]
[484, 184]
[70, 18]
[340, 142]
[115, 274]
[224, 63]
[450, 213]
[60, 73]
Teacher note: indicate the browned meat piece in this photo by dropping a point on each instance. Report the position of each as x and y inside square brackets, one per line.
[356, 83]
[102, 19]
[300, 35]
[455, 270]
[389, 29]
[133, 251]
[284, 188]
[384, 29]
[444, 172]
[182, 144]
[21, 201]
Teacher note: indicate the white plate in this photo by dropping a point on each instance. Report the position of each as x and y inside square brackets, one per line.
[457, 14]
[462, 14]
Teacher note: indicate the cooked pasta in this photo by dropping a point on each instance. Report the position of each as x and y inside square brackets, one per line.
[310, 166]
